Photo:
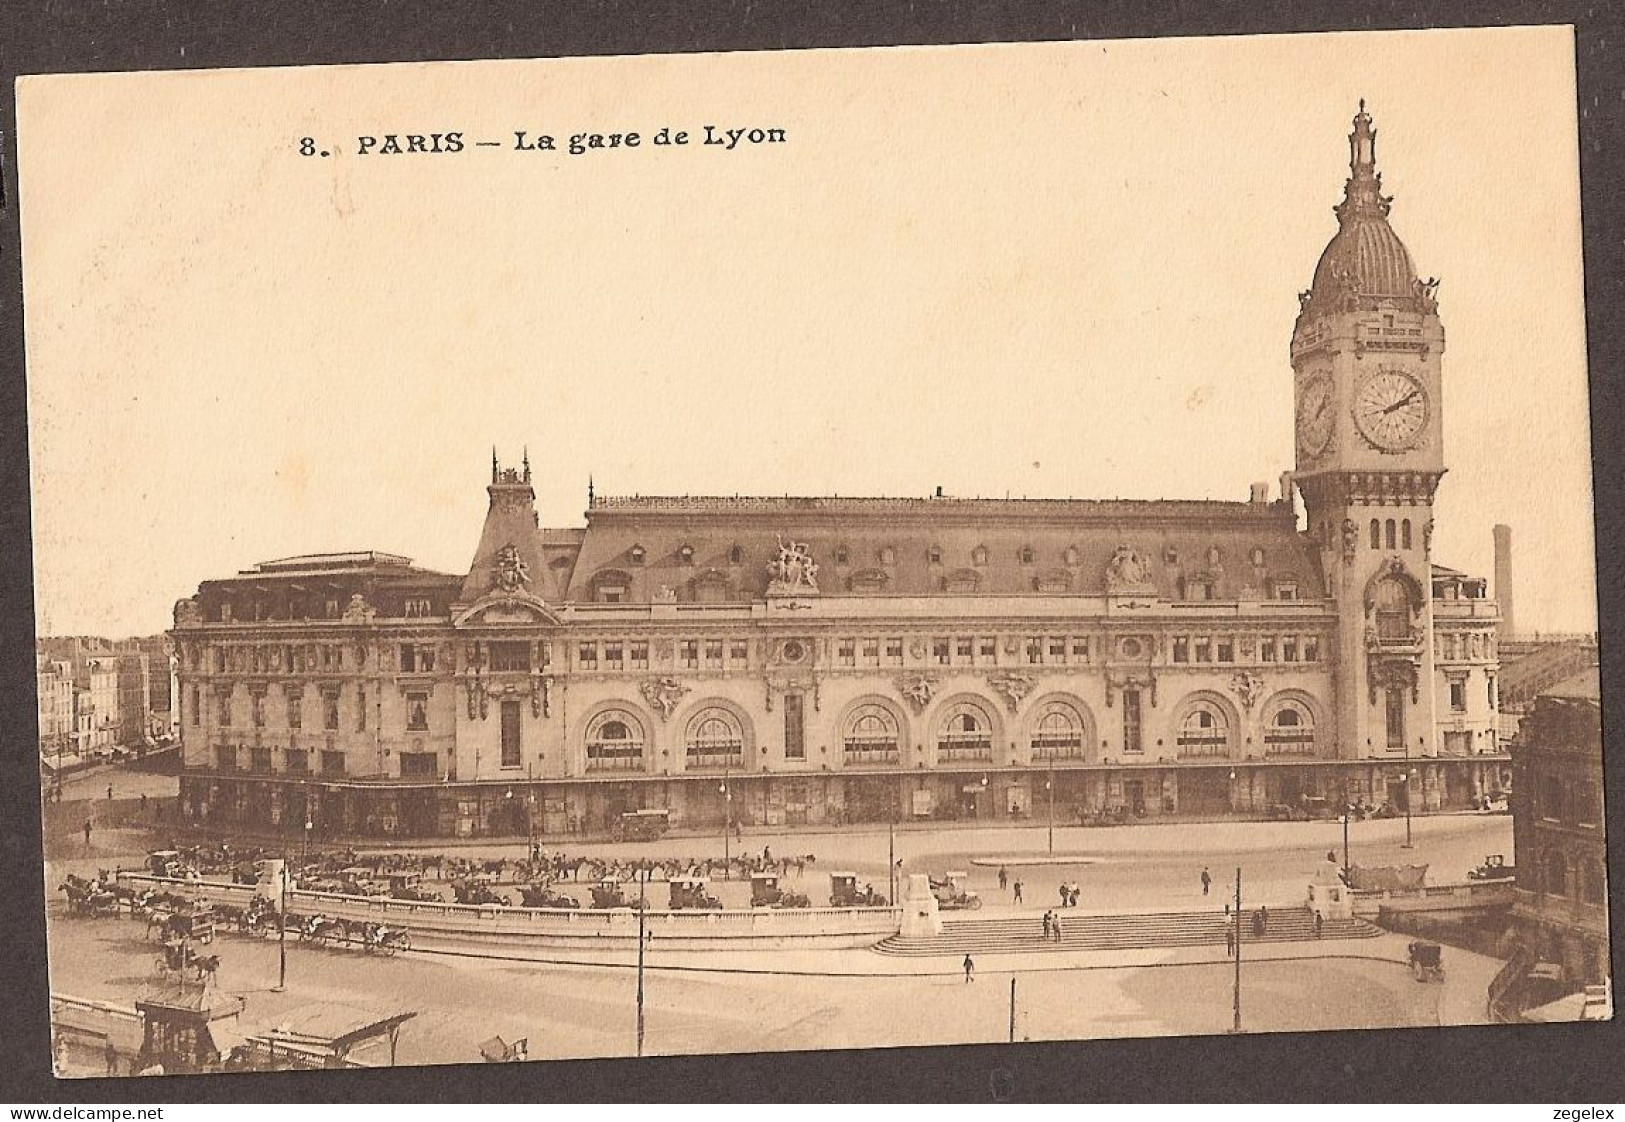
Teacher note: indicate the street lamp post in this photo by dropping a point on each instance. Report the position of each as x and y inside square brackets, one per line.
[1405, 778]
[643, 938]
[282, 933]
[1235, 1024]
[727, 824]
[891, 858]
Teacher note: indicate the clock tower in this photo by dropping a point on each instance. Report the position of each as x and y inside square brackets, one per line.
[1366, 353]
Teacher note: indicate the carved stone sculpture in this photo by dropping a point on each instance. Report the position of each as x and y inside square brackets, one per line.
[663, 695]
[1128, 572]
[793, 570]
[512, 574]
[1248, 687]
[1012, 686]
[187, 613]
[917, 690]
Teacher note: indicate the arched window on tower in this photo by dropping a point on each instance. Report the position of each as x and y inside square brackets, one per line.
[1393, 604]
[1405, 534]
[1388, 533]
[1376, 534]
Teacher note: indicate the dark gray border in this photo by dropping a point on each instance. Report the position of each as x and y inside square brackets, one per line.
[1571, 1064]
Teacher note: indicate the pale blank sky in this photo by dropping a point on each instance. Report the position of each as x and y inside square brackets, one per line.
[1045, 270]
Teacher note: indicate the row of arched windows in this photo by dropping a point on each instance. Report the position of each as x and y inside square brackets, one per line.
[1383, 534]
[872, 733]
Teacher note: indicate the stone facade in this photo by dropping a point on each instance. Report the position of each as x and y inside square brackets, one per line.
[781, 661]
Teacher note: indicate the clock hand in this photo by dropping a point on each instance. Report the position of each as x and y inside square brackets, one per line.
[1401, 403]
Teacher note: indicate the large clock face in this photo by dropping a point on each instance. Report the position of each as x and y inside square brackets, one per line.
[1315, 416]
[1390, 410]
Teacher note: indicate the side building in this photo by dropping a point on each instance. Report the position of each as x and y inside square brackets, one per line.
[1560, 913]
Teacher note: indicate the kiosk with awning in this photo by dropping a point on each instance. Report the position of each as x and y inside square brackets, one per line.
[188, 1027]
[330, 1033]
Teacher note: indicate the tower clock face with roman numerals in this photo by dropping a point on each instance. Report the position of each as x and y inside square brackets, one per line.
[1315, 416]
[1391, 410]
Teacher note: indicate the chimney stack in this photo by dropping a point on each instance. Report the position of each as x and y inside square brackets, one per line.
[1260, 493]
[1503, 579]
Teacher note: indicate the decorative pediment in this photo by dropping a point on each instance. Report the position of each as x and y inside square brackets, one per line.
[506, 609]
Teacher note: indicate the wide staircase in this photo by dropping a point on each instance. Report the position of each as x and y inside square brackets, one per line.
[1080, 932]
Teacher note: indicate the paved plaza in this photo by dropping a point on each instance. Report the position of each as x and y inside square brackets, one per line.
[582, 1003]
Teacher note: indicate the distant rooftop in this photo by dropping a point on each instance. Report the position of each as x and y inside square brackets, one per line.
[355, 560]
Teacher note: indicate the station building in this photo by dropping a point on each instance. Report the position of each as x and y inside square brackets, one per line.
[786, 661]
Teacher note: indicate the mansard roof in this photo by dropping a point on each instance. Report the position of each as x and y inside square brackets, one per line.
[645, 545]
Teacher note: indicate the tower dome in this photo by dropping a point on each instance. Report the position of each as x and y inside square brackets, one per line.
[1365, 264]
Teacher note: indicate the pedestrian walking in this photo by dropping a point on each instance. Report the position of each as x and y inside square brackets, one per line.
[1018, 892]
[1229, 942]
[1004, 879]
[1319, 922]
[970, 970]
[110, 791]
[1331, 855]
[87, 831]
[1076, 892]
[1055, 929]
[1048, 920]
[143, 805]
[1062, 887]
[1207, 880]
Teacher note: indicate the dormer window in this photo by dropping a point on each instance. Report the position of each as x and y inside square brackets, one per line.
[978, 555]
[841, 555]
[1026, 555]
[736, 556]
[636, 554]
[1286, 590]
[1258, 558]
[934, 555]
[888, 555]
[1070, 557]
[686, 555]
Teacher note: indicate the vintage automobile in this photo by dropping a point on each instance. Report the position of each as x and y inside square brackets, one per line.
[951, 892]
[1426, 961]
[357, 880]
[543, 896]
[164, 863]
[689, 892]
[409, 886]
[642, 825]
[607, 893]
[1495, 867]
[766, 893]
[845, 893]
[477, 892]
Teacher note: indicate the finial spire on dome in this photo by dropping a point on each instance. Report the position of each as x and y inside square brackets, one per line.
[493, 463]
[527, 463]
[1362, 195]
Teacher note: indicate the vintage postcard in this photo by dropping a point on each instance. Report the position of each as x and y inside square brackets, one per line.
[699, 554]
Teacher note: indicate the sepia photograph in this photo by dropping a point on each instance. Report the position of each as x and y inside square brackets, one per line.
[786, 551]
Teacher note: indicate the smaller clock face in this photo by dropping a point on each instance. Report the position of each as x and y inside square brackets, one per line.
[1390, 410]
[1315, 416]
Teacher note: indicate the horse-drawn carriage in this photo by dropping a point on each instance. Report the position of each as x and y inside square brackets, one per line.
[766, 893]
[1426, 961]
[689, 892]
[951, 892]
[178, 955]
[360, 880]
[89, 898]
[845, 893]
[642, 825]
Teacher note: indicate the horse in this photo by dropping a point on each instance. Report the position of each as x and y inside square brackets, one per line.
[206, 967]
